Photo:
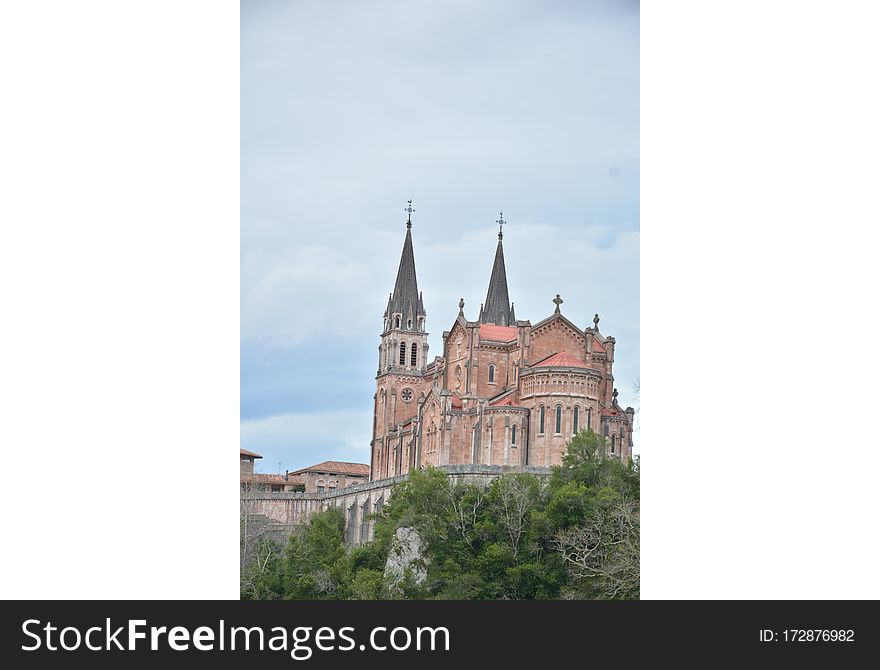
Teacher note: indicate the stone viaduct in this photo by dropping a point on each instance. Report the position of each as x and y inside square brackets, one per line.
[282, 512]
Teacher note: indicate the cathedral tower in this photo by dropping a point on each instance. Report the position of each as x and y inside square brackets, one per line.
[403, 354]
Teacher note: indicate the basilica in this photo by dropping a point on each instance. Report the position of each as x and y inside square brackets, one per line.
[504, 391]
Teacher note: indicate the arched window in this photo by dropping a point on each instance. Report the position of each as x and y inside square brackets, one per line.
[491, 374]
[605, 430]
[558, 419]
[332, 486]
[403, 353]
[513, 436]
[590, 419]
[397, 322]
[541, 422]
[409, 324]
[421, 324]
[612, 443]
[574, 429]
[320, 487]
[413, 356]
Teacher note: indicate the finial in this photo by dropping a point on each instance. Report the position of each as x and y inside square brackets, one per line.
[500, 223]
[461, 307]
[558, 302]
[409, 210]
[596, 322]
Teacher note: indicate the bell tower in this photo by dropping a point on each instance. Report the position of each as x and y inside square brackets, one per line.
[403, 355]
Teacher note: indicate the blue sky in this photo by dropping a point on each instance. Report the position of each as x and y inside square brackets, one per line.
[348, 109]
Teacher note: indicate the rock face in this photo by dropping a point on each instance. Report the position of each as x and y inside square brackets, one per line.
[405, 558]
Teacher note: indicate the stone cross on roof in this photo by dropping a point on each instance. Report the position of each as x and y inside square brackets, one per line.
[558, 302]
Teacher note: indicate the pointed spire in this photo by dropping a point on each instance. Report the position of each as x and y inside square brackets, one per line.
[498, 309]
[405, 299]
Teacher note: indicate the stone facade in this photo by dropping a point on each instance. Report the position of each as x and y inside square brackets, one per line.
[246, 461]
[502, 392]
[332, 475]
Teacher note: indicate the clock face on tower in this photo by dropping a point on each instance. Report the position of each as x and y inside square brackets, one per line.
[406, 395]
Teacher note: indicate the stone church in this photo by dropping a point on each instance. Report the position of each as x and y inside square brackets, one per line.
[504, 391]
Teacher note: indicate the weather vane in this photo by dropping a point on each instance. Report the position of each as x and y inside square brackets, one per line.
[500, 223]
[409, 210]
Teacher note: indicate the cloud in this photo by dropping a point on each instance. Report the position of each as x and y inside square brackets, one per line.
[297, 440]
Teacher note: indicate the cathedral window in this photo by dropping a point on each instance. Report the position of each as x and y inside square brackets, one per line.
[574, 429]
[590, 419]
[414, 355]
[612, 443]
[541, 422]
[409, 324]
[558, 419]
[397, 322]
[403, 353]
[513, 436]
[491, 374]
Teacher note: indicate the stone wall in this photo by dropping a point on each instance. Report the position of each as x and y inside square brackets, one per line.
[287, 510]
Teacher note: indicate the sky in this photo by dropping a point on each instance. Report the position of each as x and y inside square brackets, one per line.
[349, 109]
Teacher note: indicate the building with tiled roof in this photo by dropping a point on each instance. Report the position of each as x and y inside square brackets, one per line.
[255, 481]
[332, 475]
[246, 461]
[502, 391]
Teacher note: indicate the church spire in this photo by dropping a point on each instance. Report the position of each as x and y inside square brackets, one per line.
[497, 308]
[406, 301]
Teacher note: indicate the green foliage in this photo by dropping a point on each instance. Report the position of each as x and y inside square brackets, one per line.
[517, 537]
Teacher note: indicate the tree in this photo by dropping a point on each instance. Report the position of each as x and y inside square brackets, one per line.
[602, 555]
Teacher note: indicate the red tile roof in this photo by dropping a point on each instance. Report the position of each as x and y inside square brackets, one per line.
[260, 477]
[506, 401]
[456, 401]
[610, 412]
[597, 346]
[561, 359]
[338, 468]
[274, 480]
[489, 331]
[245, 452]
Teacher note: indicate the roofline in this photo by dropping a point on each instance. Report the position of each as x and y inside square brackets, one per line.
[316, 468]
[564, 318]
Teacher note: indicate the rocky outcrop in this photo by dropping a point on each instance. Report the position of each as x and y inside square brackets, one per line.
[405, 559]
